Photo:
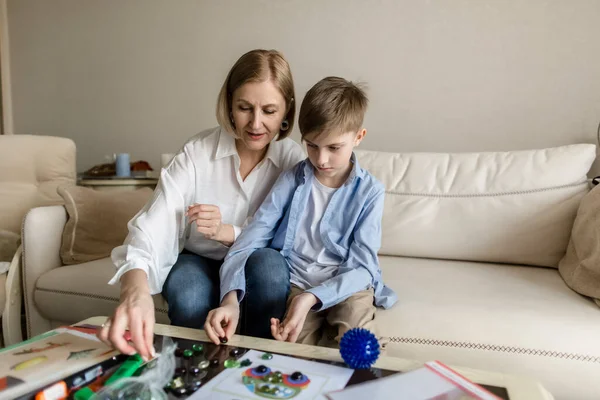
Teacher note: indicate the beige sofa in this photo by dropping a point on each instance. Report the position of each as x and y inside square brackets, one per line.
[31, 168]
[471, 244]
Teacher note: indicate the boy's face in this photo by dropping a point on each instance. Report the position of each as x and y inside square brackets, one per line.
[330, 154]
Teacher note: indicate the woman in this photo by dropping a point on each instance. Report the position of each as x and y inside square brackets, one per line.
[177, 242]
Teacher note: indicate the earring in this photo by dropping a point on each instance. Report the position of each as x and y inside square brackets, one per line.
[231, 119]
[285, 125]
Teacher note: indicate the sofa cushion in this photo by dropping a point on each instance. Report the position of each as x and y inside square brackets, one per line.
[31, 167]
[85, 285]
[509, 207]
[507, 318]
[580, 268]
[97, 221]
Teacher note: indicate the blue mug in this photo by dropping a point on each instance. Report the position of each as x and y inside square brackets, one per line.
[122, 165]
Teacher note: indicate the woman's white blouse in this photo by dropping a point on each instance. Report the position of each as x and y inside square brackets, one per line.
[205, 171]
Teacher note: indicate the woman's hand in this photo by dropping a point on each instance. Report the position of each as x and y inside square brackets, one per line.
[135, 311]
[290, 329]
[209, 223]
[221, 322]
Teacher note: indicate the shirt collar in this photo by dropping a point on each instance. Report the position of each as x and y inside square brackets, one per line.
[226, 145]
[226, 148]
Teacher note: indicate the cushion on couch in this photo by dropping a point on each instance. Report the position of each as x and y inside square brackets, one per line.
[87, 286]
[580, 268]
[97, 221]
[507, 318]
[509, 207]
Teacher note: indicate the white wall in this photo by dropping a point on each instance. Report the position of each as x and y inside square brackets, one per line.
[141, 76]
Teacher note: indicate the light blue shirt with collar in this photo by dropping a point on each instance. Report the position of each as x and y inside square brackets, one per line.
[350, 228]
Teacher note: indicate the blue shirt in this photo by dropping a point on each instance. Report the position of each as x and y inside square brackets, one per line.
[350, 228]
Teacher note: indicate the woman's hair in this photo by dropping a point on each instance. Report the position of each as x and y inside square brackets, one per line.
[258, 66]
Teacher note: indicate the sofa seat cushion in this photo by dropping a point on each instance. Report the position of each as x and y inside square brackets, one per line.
[86, 286]
[507, 318]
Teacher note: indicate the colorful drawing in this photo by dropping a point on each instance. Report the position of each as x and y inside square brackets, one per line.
[49, 346]
[76, 355]
[274, 385]
[29, 363]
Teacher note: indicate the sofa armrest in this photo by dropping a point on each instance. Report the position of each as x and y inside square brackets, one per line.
[11, 315]
[41, 236]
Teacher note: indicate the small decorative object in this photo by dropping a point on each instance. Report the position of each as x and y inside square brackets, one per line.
[245, 363]
[267, 356]
[359, 348]
[231, 363]
[123, 166]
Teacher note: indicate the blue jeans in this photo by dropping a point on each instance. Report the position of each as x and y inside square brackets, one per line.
[192, 290]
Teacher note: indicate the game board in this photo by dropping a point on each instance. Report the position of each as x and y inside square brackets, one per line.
[275, 380]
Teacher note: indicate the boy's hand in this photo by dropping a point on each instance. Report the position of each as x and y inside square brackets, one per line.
[221, 322]
[290, 329]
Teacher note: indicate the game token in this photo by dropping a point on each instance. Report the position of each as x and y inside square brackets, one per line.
[197, 348]
[223, 340]
[231, 363]
[245, 363]
[203, 364]
[267, 356]
[214, 362]
[234, 352]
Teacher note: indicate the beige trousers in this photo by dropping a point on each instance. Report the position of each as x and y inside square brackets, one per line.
[357, 311]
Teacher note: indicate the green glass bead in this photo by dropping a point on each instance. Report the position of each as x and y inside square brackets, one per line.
[197, 347]
[267, 356]
[245, 363]
[188, 353]
[231, 363]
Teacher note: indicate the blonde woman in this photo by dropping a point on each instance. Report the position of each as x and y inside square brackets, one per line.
[205, 196]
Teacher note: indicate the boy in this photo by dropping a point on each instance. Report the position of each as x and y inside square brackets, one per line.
[324, 218]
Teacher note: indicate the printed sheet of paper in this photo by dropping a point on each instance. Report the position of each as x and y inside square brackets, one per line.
[249, 382]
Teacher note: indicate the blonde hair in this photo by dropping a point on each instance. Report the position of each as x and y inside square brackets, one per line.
[257, 66]
[333, 105]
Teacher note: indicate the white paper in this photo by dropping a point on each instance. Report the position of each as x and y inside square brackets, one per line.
[324, 378]
[421, 384]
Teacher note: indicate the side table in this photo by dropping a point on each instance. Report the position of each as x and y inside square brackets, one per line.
[118, 184]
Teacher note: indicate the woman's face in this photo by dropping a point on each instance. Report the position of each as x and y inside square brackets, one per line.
[257, 108]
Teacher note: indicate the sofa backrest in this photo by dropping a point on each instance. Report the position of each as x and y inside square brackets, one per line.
[507, 207]
[31, 168]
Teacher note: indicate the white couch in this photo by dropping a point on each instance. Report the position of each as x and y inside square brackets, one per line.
[31, 168]
[471, 244]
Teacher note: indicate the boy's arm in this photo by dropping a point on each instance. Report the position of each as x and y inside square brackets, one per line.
[257, 234]
[362, 265]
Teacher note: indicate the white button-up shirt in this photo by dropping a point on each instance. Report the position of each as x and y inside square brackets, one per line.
[205, 171]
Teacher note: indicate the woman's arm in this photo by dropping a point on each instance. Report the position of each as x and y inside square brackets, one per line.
[156, 233]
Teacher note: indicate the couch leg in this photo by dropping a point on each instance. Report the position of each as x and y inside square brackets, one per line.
[11, 316]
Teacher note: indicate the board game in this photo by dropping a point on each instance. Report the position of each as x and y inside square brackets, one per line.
[202, 370]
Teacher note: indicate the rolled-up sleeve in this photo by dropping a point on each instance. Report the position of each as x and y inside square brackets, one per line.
[156, 233]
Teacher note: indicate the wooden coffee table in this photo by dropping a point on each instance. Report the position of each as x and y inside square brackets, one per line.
[518, 387]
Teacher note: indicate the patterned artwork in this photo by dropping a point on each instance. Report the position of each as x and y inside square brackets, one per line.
[274, 384]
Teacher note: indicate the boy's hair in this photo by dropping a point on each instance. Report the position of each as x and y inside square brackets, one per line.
[332, 105]
[257, 66]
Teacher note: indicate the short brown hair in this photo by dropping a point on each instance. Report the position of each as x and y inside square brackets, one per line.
[257, 66]
[332, 104]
